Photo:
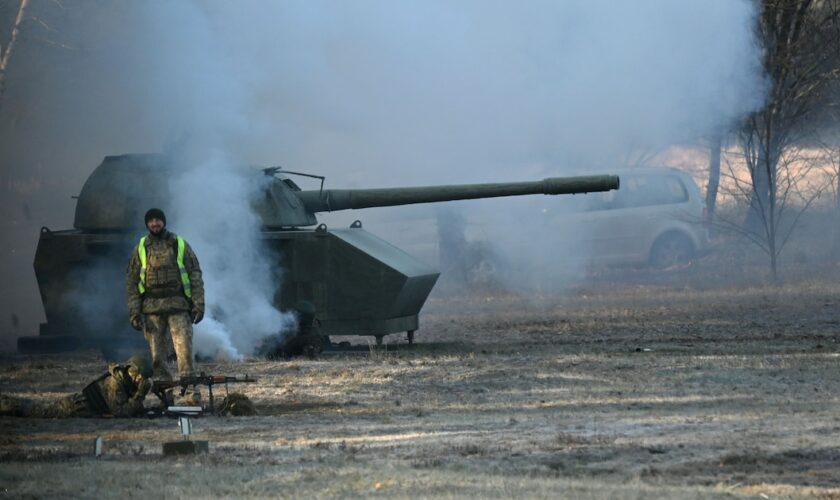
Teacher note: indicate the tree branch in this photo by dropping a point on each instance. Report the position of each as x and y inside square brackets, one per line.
[7, 54]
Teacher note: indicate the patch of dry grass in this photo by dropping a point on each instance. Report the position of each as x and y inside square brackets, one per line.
[658, 393]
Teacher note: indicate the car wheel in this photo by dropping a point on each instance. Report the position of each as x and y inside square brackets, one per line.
[672, 249]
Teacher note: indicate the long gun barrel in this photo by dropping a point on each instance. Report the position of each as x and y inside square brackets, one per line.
[344, 199]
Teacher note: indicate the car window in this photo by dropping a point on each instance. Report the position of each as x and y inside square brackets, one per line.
[641, 191]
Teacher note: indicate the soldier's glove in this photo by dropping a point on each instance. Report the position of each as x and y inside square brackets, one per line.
[197, 315]
[137, 322]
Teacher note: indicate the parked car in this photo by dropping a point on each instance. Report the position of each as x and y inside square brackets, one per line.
[657, 217]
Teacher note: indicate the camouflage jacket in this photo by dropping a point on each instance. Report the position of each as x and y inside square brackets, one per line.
[164, 292]
[123, 397]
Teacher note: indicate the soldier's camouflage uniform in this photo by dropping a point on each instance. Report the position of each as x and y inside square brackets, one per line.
[113, 394]
[164, 306]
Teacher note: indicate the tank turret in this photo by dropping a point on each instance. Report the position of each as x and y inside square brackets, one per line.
[358, 283]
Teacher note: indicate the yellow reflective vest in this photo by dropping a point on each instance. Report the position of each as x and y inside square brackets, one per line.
[185, 277]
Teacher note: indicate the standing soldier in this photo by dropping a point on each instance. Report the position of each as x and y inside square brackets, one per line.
[165, 294]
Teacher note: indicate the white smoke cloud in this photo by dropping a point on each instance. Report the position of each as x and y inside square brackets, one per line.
[385, 92]
[212, 211]
[400, 93]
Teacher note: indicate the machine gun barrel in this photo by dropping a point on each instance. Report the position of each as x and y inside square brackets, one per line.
[329, 200]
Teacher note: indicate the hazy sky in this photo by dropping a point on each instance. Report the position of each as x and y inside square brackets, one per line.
[378, 89]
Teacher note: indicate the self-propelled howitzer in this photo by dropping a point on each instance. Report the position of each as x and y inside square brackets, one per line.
[358, 283]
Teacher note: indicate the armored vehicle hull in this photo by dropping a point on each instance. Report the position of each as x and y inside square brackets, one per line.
[359, 283]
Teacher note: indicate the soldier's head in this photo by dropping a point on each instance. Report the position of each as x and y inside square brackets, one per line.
[139, 368]
[155, 221]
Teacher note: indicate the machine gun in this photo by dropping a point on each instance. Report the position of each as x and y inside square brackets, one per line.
[160, 388]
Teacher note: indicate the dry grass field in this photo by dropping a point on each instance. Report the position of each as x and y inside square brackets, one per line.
[655, 387]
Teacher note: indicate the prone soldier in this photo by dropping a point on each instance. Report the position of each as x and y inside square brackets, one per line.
[119, 392]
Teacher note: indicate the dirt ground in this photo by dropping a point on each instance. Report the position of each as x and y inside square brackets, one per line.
[634, 386]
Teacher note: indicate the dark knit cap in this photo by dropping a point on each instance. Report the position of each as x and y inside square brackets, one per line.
[155, 213]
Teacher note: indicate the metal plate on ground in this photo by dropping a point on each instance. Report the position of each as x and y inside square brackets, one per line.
[185, 447]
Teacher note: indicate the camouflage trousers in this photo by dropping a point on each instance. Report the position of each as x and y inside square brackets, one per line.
[165, 330]
[74, 405]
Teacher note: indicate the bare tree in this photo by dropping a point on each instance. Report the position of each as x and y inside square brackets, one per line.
[829, 141]
[800, 181]
[831, 148]
[6, 51]
[40, 15]
[800, 39]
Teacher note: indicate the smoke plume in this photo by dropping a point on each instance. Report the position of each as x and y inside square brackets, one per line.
[212, 204]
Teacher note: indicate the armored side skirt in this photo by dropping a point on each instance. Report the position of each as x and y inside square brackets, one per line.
[359, 284]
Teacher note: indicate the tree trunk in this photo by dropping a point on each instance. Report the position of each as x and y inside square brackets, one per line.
[835, 250]
[770, 227]
[714, 178]
[760, 217]
[756, 222]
